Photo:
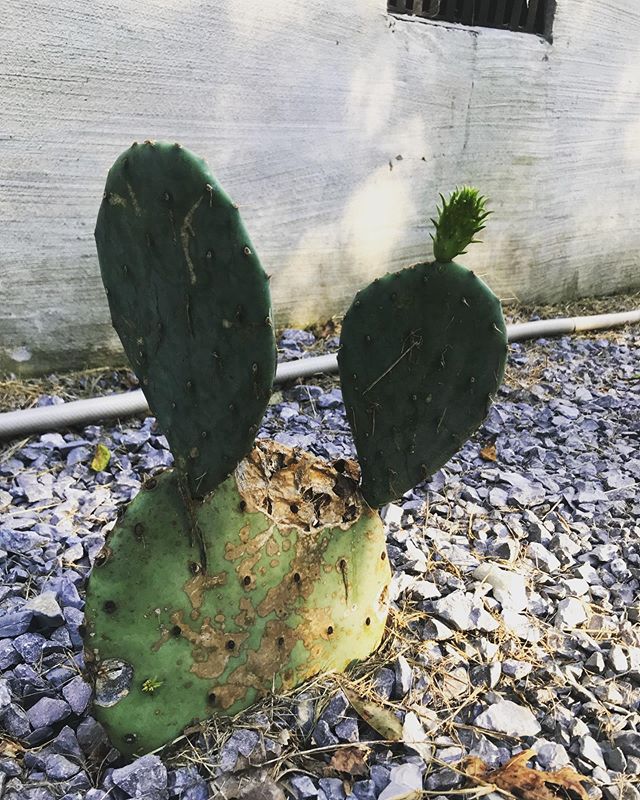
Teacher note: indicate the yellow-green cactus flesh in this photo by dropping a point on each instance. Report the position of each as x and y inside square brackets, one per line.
[296, 585]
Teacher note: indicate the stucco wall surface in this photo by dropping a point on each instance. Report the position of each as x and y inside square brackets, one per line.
[334, 126]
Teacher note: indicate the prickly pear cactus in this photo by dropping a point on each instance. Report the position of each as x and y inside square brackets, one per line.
[422, 354]
[291, 575]
[297, 584]
[191, 305]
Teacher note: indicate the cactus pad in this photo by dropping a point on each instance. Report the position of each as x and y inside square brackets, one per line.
[422, 353]
[191, 305]
[296, 584]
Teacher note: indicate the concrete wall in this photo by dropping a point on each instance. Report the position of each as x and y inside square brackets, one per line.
[334, 130]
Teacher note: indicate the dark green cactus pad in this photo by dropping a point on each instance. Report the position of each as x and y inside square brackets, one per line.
[191, 305]
[422, 353]
[296, 584]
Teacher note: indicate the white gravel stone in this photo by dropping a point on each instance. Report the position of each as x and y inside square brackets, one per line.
[591, 750]
[464, 611]
[576, 586]
[521, 626]
[508, 717]
[405, 779]
[516, 669]
[508, 587]
[542, 558]
[571, 613]
[618, 659]
[551, 755]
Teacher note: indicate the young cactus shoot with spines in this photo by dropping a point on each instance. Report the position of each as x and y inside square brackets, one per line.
[459, 220]
[422, 354]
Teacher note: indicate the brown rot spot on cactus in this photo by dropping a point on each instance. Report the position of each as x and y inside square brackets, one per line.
[294, 508]
[176, 631]
[297, 577]
[201, 582]
[230, 645]
[242, 506]
[211, 698]
[246, 580]
[109, 606]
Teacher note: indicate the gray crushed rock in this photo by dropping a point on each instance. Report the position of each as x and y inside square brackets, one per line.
[515, 597]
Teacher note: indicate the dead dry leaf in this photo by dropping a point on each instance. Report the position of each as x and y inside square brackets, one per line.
[379, 717]
[525, 783]
[489, 452]
[10, 748]
[350, 760]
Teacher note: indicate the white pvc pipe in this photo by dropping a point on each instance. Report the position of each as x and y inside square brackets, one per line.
[17, 424]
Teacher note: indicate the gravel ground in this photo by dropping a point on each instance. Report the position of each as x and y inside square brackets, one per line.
[515, 621]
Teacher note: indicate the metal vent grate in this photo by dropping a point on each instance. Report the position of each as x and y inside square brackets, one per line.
[528, 16]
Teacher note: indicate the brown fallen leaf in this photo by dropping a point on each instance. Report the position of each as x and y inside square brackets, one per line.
[526, 783]
[379, 717]
[489, 452]
[350, 760]
[11, 748]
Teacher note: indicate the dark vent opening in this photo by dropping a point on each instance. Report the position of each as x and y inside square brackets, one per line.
[526, 16]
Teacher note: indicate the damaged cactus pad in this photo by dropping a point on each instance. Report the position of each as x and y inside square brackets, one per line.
[296, 584]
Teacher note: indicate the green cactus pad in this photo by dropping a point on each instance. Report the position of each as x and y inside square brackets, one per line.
[191, 305]
[296, 585]
[422, 353]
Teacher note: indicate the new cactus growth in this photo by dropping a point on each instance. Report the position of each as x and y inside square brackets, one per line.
[245, 570]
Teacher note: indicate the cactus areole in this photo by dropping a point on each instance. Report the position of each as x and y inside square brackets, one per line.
[251, 566]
